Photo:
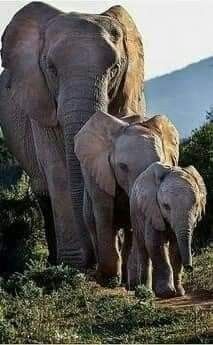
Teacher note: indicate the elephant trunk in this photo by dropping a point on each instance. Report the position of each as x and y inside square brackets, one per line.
[81, 100]
[184, 239]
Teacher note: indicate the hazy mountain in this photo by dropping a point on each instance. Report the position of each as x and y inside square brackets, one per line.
[184, 95]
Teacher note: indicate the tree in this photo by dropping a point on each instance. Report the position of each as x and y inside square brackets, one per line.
[209, 115]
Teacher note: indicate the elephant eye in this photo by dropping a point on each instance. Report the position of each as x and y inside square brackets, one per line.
[52, 68]
[115, 70]
[166, 206]
[116, 34]
[123, 167]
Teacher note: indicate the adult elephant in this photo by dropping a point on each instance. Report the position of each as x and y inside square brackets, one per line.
[58, 70]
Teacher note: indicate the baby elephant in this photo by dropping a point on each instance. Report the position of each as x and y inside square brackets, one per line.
[166, 203]
[112, 153]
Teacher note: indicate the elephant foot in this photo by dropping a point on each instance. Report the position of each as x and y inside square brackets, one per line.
[180, 291]
[107, 280]
[165, 291]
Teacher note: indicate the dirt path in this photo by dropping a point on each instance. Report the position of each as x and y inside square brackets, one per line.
[204, 301]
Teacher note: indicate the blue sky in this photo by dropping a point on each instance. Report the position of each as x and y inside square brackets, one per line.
[175, 32]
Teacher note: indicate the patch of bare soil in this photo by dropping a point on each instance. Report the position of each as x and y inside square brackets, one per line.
[204, 301]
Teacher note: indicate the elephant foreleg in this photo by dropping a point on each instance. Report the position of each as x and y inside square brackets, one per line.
[109, 260]
[89, 220]
[51, 156]
[157, 246]
[177, 266]
[139, 265]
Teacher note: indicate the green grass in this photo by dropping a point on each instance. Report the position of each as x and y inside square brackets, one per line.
[201, 279]
[59, 305]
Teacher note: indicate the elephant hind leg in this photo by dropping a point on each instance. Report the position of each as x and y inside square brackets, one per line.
[46, 209]
[125, 251]
[40, 188]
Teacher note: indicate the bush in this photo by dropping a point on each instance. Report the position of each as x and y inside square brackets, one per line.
[198, 151]
[21, 226]
[55, 277]
[144, 294]
[200, 280]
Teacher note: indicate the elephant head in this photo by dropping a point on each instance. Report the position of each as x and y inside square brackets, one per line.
[113, 150]
[169, 199]
[64, 67]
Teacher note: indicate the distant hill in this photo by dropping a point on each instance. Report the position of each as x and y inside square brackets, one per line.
[184, 95]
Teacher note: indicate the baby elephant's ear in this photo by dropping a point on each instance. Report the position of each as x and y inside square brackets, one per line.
[143, 199]
[165, 129]
[93, 145]
[194, 174]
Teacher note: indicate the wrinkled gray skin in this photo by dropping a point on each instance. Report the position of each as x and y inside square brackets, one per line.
[112, 154]
[58, 70]
[166, 203]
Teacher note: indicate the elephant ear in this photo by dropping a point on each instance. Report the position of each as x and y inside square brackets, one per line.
[21, 44]
[144, 205]
[194, 175]
[93, 145]
[164, 128]
[130, 97]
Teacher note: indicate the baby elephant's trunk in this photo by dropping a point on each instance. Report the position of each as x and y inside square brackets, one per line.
[184, 243]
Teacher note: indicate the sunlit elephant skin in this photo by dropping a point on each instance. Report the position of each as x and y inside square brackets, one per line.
[112, 153]
[58, 70]
[166, 203]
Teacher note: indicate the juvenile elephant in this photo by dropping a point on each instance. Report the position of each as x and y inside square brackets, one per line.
[59, 68]
[112, 153]
[166, 203]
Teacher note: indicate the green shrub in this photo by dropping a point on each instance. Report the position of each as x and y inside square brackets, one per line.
[198, 151]
[200, 281]
[144, 293]
[21, 227]
[21, 285]
[54, 277]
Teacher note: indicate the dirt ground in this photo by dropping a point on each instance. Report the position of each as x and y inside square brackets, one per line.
[204, 301]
